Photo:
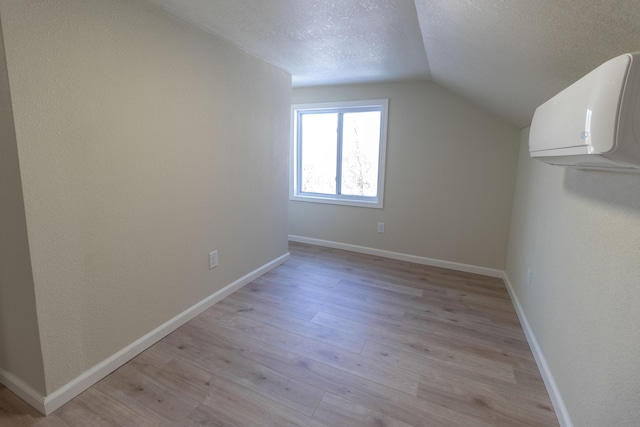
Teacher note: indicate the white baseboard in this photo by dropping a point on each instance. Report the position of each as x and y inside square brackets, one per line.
[22, 390]
[552, 388]
[53, 401]
[467, 268]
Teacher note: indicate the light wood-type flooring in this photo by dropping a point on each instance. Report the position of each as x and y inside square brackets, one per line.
[330, 338]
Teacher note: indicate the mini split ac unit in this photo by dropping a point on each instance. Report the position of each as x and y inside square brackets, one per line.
[595, 122]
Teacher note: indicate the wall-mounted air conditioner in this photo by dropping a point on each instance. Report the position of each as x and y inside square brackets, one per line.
[595, 122]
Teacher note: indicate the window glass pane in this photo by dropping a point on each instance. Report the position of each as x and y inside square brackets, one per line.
[319, 151]
[360, 153]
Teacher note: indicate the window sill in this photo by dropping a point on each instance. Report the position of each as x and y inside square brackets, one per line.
[375, 204]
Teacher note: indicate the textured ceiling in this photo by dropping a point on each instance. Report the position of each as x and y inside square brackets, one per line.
[507, 56]
[318, 41]
[512, 55]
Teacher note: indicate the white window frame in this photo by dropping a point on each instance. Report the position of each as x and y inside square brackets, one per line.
[295, 192]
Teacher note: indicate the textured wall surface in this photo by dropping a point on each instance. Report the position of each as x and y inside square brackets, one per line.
[144, 144]
[579, 233]
[20, 353]
[450, 176]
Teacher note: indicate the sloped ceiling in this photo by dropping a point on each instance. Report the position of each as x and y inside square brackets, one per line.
[507, 56]
[512, 55]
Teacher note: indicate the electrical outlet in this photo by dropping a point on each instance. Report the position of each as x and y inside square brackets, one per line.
[528, 278]
[213, 259]
[381, 227]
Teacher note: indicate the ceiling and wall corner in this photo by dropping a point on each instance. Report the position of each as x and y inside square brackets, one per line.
[506, 56]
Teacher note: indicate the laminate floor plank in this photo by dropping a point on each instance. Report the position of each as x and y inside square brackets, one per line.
[368, 312]
[247, 300]
[429, 331]
[193, 346]
[454, 313]
[338, 412]
[418, 323]
[420, 364]
[192, 381]
[330, 338]
[232, 405]
[327, 299]
[337, 284]
[335, 337]
[96, 408]
[465, 324]
[491, 403]
[524, 397]
[16, 412]
[435, 348]
[318, 288]
[361, 283]
[134, 389]
[347, 361]
[402, 406]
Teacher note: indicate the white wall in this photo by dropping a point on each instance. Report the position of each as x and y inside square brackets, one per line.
[579, 233]
[144, 144]
[20, 353]
[450, 177]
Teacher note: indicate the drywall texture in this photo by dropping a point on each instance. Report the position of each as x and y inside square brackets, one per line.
[579, 233]
[20, 353]
[450, 176]
[144, 144]
[319, 42]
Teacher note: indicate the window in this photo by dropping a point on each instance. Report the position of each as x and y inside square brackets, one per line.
[338, 152]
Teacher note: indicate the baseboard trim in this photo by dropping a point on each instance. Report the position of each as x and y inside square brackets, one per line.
[22, 390]
[64, 394]
[552, 388]
[467, 268]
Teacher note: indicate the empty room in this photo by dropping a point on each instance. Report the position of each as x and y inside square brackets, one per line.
[319, 213]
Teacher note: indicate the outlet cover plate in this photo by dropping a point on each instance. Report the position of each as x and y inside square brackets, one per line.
[213, 260]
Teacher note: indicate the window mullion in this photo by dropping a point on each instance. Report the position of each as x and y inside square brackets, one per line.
[339, 156]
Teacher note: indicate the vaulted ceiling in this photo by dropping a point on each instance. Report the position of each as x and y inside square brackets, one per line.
[507, 56]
